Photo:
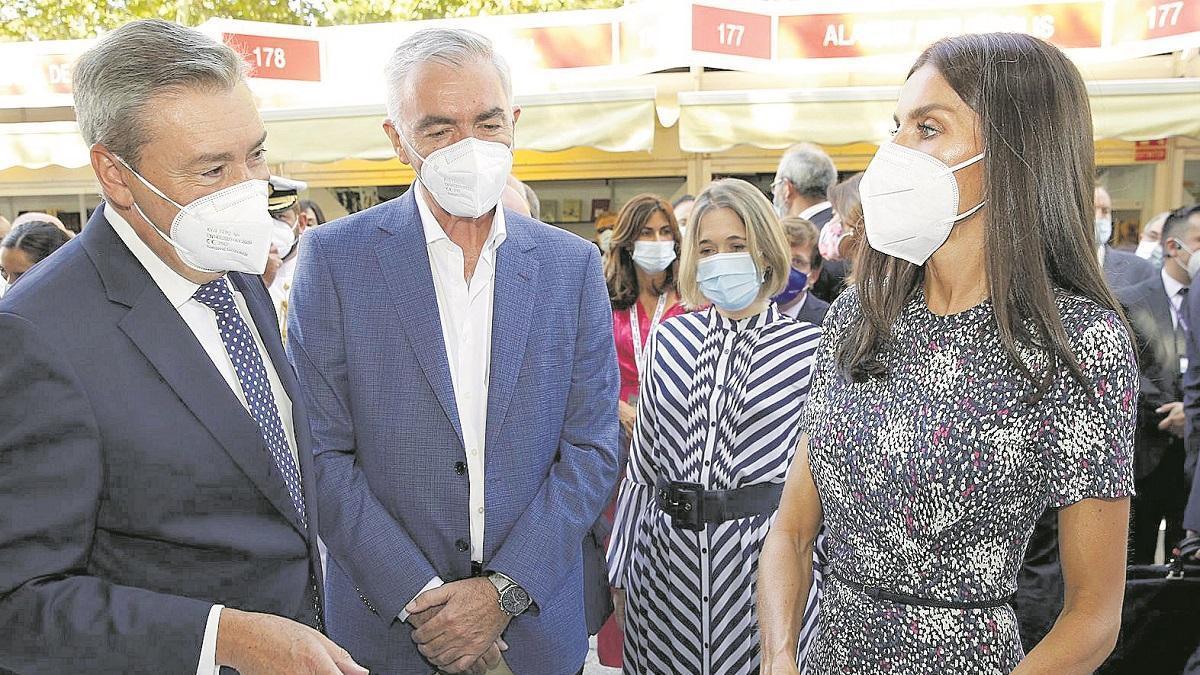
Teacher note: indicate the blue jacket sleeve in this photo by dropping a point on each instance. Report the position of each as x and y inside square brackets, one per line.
[367, 542]
[547, 538]
[57, 618]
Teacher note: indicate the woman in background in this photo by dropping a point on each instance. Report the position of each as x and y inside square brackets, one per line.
[717, 425]
[312, 213]
[26, 245]
[847, 210]
[641, 269]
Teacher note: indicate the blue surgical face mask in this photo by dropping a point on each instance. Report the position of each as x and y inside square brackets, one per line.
[730, 280]
[797, 284]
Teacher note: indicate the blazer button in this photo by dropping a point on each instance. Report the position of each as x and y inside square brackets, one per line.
[462, 545]
[460, 468]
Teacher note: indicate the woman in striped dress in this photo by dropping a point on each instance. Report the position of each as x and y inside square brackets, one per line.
[717, 426]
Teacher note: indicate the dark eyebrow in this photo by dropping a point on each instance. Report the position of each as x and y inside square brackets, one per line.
[433, 121]
[223, 157]
[924, 110]
[487, 115]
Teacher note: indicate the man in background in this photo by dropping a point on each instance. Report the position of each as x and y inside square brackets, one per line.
[801, 189]
[683, 209]
[1150, 245]
[291, 221]
[1121, 268]
[1157, 312]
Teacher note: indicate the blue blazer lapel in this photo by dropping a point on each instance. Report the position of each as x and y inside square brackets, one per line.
[515, 291]
[262, 313]
[404, 260]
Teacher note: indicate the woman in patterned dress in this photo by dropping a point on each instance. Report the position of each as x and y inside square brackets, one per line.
[979, 371]
[716, 430]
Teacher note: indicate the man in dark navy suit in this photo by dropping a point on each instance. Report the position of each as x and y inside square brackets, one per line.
[1121, 268]
[1157, 310]
[1191, 385]
[157, 484]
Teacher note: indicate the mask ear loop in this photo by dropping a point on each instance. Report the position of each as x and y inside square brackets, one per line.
[962, 165]
[969, 162]
[148, 184]
[180, 249]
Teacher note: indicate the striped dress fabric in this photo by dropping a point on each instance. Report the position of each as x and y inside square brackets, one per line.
[720, 405]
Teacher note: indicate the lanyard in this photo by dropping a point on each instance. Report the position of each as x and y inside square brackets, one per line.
[638, 348]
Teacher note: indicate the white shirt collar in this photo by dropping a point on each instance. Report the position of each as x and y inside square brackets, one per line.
[434, 231]
[177, 288]
[813, 210]
[1173, 287]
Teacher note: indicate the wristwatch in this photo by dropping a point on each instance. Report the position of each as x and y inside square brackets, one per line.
[514, 600]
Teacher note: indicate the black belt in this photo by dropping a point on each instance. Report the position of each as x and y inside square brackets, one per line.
[691, 507]
[876, 593]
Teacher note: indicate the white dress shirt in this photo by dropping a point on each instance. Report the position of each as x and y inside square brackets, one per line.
[465, 308]
[813, 210]
[203, 323]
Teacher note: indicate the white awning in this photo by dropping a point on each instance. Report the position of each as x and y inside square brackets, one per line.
[613, 120]
[714, 121]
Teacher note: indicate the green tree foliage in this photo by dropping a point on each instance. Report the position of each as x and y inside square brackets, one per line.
[73, 19]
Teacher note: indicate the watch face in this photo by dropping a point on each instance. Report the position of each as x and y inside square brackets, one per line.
[515, 600]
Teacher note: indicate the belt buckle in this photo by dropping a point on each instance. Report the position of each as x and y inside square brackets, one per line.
[685, 505]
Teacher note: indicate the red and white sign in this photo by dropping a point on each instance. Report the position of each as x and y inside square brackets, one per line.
[1069, 25]
[1150, 151]
[1149, 19]
[725, 31]
[277, 58]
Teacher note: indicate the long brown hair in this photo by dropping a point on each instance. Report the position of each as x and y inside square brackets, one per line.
[847, 204]
[619, 269]
[1039, 175]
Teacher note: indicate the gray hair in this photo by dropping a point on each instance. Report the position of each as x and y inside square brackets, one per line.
[808, 169]
[116, 79]
[447, 46]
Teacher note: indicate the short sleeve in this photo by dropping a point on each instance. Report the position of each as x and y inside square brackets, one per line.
[1090, 454]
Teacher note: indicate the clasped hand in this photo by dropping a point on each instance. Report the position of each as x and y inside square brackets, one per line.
[458, 626]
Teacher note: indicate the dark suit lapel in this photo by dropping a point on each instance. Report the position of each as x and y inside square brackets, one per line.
[404, 258]
[1160, 307]
[162, 336]
[513, 306]
[171, 347]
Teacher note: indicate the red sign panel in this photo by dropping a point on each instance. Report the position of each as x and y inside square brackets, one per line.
[1069, 25]
[724, 31]
[1150, 151]
[277, 58]
[1149, 19]
[57, 69]
[584, 46]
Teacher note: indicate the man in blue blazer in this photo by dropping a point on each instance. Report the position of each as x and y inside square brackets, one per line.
[459, 366]
[157, 508]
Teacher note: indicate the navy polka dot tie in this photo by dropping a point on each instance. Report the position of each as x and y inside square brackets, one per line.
[243, 351]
